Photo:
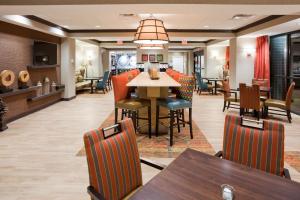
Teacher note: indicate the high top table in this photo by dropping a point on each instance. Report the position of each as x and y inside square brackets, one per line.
[153, 89]
[196, 175]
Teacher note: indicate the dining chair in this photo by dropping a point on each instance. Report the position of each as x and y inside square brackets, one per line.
[102, 84]
[262, 83]
[281, 106]
[177, 105]
[202, 86]
[109, 83]
[229, 100]
[250, 99]
[124, 102]
[256, 147]
[113, 162]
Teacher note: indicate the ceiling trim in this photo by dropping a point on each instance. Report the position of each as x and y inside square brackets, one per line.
[100, 2]
[261, 21]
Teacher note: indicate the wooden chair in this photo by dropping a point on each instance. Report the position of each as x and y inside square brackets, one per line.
[125, 103]
[250, 99]
[228, 98]
[256, 147]
[177, 105]
[113, 162]
[281, 106]
[262, 83]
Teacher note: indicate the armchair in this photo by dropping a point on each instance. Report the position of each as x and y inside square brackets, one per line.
[255, 147]
[113, 162]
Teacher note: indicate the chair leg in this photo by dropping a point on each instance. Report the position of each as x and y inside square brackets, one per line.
[183, 118]
[242, 111]
[137, 118]
[177, 118]
[149, 120]
[116, 115]
[134, 119]
[289, 116]
[156, 120]
[190, 123]
[224, 106]
[228, 105]
[171, 126]
[122, 114]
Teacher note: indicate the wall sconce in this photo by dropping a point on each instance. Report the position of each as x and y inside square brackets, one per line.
[249, 51]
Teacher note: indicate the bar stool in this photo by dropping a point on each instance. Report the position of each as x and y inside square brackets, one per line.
[176, 105]
[124, 102]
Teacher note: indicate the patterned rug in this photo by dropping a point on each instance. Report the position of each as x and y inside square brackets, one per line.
[158, 146]
[293, 159]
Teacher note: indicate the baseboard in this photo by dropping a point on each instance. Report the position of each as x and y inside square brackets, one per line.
[68, 99]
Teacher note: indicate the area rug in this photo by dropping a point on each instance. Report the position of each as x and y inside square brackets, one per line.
[293, 159]
[159, 146]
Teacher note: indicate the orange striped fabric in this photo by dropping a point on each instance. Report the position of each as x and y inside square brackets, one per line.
[113, 163]
[260, 149]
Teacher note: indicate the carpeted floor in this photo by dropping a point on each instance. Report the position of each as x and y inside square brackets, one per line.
[159, 146]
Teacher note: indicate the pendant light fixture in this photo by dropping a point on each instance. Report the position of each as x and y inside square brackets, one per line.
[151, 31]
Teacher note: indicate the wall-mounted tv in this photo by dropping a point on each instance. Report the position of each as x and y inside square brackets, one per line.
[44, 53]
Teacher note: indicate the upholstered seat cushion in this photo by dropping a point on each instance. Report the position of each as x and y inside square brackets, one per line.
[275, 103]
[174, 103]
[133, 104]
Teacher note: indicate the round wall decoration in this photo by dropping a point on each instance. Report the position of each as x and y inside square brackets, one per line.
[24, 76]
[7, 78]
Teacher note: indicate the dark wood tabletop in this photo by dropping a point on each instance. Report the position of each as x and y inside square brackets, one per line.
[195, 175]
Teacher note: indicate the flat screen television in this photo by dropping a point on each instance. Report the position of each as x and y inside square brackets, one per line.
[44, 53]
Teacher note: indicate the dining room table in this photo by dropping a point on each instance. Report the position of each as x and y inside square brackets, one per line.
[215, 80]
[153, 89]
[92, 79]
[196, 175]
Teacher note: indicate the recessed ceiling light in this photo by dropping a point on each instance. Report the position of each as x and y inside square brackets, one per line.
[97, 26]
[242, 16]
[65, 26]
[127, 15]
[206, 26]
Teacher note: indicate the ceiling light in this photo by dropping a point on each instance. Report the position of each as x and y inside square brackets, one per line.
[151, 31]
[97, 26]
[242, 16]
[127, 15]
[206, 26]
[184, 42]
[151, 46]
[65, 26]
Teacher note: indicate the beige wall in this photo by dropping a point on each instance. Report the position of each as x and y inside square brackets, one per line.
[164, 52]
[215, 60]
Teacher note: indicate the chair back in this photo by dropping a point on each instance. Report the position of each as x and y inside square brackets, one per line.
[226, 88]
[113, 163]
[249, 96]
[106, 76]
[120, 87]
[260, 82]
[289, 96]
[187, 87]
[256, 148]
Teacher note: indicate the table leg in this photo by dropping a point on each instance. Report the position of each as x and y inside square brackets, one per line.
[215, 87]
[92, 90]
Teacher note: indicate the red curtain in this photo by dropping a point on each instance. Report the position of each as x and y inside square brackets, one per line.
[262, 59]
[227, 58]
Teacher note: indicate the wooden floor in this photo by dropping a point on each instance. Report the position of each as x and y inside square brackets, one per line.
[38, 152]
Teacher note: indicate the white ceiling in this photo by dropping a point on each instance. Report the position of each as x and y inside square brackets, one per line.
[175, 16]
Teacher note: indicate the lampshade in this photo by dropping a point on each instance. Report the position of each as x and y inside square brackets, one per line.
[151, 31]
[151, 46]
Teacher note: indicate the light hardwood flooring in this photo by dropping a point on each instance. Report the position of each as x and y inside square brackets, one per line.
[38, 152]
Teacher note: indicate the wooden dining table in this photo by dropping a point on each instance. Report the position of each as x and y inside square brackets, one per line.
[196, 175]
[153, 89]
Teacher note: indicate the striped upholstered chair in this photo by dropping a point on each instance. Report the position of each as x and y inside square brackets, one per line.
[260, 148]
[178, 105]
[113, 162]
